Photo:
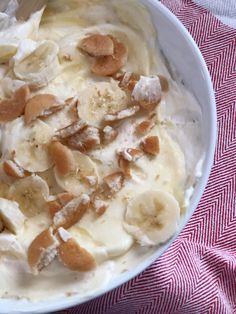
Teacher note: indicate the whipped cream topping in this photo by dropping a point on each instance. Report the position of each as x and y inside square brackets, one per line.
[172, 172]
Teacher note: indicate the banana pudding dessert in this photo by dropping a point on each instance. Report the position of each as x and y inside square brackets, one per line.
[100, 146]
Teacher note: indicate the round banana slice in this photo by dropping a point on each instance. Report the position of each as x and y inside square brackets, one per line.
[82, 236]
[31, 193]
[39, 67]
[152, 217]
[99, 99]
[64, 117]
[107, 231]
[77, 182]
[29, 144]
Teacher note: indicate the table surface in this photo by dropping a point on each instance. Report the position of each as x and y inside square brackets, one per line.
[224, 10]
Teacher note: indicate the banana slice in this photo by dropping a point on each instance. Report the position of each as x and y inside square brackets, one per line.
[63, 118]
[97, 250]
[39, 67]
[26, 47]
[99, 99]
[29, 144]
[10, 214]
[31, 193]
[10, 245]
[107, 232]
[152, 217]
[77, 182]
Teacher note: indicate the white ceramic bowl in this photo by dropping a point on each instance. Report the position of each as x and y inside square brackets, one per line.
[175, 42]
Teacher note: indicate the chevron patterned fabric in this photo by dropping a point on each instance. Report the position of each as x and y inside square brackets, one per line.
[198, 272]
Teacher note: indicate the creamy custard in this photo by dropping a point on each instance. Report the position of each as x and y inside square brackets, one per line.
[144, 206]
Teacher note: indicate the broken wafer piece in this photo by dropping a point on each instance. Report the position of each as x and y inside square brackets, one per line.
[62, 157]
[85, 140]
[12, 169]
[1, 225]
[72, 212]
[22, 94]
[114, 181]
[109, 65]
[109, 134]
[145, 126]
[131, 154]
[42, 250]
[72, 101]
[71, 129]
[61, 200]
[128, 80]
[91, 180]
[164, 83]
[11, 215]
[97, 45]
[123, 114]
[151, 145]
[125, 157]
[41, 105]
[147, 92]
[72, 255]
[53, 207]
[13, 108]
[124, 165]
[99, 206]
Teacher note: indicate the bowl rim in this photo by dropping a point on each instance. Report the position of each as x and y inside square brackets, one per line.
[56, 305]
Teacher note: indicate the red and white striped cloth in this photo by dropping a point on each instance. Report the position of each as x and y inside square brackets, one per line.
[198, 272]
